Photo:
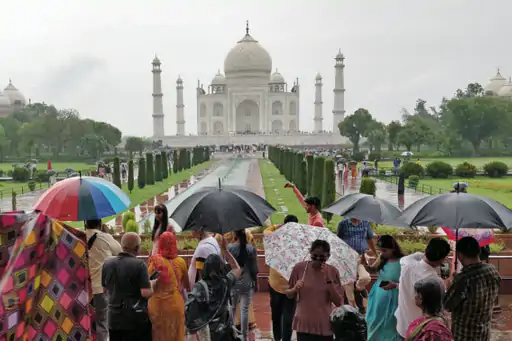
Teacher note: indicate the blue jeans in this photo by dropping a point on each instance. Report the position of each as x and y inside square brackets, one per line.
[244, 297]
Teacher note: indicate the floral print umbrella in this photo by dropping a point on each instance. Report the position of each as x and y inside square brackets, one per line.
[290, 245]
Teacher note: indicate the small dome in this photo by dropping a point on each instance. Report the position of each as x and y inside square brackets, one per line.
[15, 96]
[179, 80]
[277, 78]
[156, 61]
[5, 103]
[219, 79]
[318, 77]
[506, 90]
[339, 55]
[247, 56]
[495, 83]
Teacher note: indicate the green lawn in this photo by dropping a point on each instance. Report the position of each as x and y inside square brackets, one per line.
[479, 162]
[139, 196]
[497, 189]
[6, 187]
[58, 166]
[269, 172]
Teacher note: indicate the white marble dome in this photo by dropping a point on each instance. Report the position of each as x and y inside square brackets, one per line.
[277, 78]
[5, 103]
[14, 95]
[247, 56]
[219, 79]
[495, 84]
[506, 90]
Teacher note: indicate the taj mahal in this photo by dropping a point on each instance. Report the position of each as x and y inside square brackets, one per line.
[249, 104]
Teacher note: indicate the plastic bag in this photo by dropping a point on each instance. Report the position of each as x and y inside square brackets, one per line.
[348, 324]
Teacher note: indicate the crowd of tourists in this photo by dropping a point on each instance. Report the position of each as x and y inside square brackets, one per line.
[212, 298]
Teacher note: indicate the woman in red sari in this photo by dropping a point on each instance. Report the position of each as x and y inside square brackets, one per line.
[431, 326]
[166, 307]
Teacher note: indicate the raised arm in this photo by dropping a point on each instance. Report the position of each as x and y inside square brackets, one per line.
[298, 194]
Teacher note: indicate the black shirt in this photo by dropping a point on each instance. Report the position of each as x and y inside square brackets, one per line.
[123, 276]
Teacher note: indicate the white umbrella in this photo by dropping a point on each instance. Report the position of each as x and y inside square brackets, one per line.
[407, 154]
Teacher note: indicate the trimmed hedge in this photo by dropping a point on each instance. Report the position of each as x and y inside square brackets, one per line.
[496, 169]
[329, 187]
[141, 177]
[318, 177]
[466, 170]
[439, 170]
[412, 168]
[116, 176]
[131, 176]
[368, 186]
[150, 169]
[310, 161]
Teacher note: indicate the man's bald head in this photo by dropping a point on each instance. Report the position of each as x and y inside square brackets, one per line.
[131, 242]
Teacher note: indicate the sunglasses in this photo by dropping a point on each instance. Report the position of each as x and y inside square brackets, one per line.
[320, 259]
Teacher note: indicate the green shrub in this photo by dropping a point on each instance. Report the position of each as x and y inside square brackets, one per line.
[131, 176]
[132, 226]
[116, 176]
[147, 227]
[303, 177]
[165, 165]
[141, 177]
[32, 185]
[329, 188]
[127, 216]
[382, 172]
[158, 167]
[358, 156]
[412, 168]
[175, 161]
[310, 161]
[496, 169]
[368, 186]
[496, 247]
[409, 247]
[150, 169]
[318, 177]
[20, 174]
[381, 230]
[374, 156]
[41, 176]
[414, 180]
[439, 169]
[465, 170]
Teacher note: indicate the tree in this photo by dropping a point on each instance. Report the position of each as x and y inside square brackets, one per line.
[318, 177]
[376, 136]
[133, 145]
[116, 177]
[393, 129]
[329, 187]
[303, 177]
[141, 177]
[406, 137]
[150, 169]
[175, 161]
[165, 165]
[158, 167]
[310, 161]
[130, 176]
[356, 126]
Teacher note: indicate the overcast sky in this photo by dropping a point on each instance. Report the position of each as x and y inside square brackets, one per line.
[96, 57]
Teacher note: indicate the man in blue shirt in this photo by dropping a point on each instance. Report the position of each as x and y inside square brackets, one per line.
[358, 235]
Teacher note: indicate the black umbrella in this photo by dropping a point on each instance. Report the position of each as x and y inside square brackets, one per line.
[458, 210]
[222, 210]
[364, 207]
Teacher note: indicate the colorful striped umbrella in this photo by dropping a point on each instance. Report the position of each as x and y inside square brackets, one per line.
[483, 236]
[82, 198]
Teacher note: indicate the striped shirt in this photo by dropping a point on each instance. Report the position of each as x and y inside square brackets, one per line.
[356, 236]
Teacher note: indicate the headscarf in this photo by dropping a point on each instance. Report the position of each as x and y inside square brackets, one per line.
[167, 245]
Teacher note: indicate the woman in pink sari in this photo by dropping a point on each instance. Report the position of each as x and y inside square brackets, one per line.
[431, 326]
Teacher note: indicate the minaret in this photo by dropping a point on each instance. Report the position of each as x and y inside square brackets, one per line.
[158, 107]
[318, 104]
[338, 110]
[180, 108]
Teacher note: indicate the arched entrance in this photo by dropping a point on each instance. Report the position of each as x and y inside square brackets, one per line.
[247, 117]
[293, 125]
[204, 128]
[218, 128]
[277, 126]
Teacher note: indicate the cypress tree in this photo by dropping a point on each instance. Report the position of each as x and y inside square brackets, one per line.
[150, 169]
[165, 165]
[310, 161]
[141, 177]
[131, 176]
[318, 176]
[158, 167]
[175, 161]
[329, 190]
[303, 177]
[116, 176]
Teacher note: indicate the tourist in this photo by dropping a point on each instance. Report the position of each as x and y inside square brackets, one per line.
[471, 296]
[207, 246]
[282, 307]
[312, 206]
[160, 225]
[358, 235]
[431, 326]
[413, 268]
[316, 287]
[207, 311]
[101, 246]
[230, 238]
[246, 257]
[383, 298]
[127, 282]
[166, 307]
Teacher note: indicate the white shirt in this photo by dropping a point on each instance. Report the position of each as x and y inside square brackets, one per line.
[206, 247]
[104, 246]
[413, 269]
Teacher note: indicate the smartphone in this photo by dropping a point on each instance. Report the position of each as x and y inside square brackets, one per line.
[383, 284]
[154, 275]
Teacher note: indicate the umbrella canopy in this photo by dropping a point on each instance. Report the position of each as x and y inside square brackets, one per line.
[407, 154]
[222, 210]
[458, 210]
[290, 245]
[483, 236]
[460, 185]
[364, 207]
[82, 198]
